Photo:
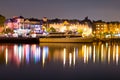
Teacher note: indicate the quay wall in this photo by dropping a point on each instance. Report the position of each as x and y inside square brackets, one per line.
[66, 40]
[18, 40]
[54, 40]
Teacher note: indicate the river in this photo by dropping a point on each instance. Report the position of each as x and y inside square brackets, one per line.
[60, 61]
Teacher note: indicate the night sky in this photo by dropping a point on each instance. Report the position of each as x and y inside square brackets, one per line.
[107, 10]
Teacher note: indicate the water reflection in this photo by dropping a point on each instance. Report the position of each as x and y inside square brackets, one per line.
[69, 54]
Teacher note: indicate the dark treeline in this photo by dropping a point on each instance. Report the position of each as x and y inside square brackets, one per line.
[57, 20]
[2, 20]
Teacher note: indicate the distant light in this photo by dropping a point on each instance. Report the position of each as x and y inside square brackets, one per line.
[64, 57]
[70, 59]
[6, 57]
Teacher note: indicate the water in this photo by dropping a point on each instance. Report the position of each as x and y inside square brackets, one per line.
[58, 61]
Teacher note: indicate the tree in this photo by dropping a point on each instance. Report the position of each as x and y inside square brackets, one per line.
[80, 31]
[2, 20]
[51, 29]
[7, 30]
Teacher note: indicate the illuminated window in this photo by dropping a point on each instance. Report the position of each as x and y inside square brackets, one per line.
[98, 25]
[98, 28]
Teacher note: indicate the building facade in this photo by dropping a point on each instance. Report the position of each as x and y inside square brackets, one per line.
[21, 25]
[103, 29]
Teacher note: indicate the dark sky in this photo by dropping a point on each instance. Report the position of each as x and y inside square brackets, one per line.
[107, 10]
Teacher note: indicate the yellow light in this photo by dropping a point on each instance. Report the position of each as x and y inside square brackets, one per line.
[113, 53]
[43, 59]
[102, 53]
[94, 54]
[74, 57]
[117, 55]
[108, 54]
[70, 59]
[64, 57]
[6, 56]
[85, 54]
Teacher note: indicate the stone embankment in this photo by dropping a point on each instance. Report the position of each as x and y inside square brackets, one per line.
[19, 40]
[65, 40]
[55, 40]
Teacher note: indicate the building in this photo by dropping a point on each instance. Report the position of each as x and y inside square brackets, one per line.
[103, 29]
[114, 29]
[100, 28]
[23, 26]
[77, 27]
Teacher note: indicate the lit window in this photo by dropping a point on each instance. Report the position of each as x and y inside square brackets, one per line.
[98, 25]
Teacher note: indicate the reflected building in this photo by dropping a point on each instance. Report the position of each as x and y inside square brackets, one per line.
[69, 54]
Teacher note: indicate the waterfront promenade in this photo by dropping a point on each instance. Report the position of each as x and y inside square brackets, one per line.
[65, 40]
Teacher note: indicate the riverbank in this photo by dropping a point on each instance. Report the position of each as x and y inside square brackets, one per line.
[106, 40]
[55, 40]
[77, 40]
[65, 40]
[19, 40]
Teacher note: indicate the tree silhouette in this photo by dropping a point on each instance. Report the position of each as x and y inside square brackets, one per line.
[2, 20]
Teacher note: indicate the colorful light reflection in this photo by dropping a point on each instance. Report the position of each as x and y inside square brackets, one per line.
[69, 56]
